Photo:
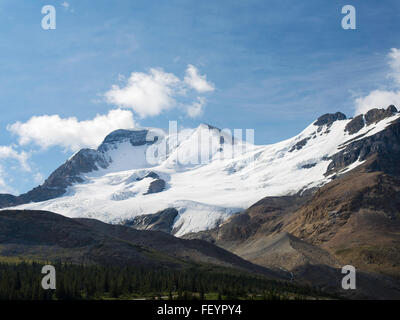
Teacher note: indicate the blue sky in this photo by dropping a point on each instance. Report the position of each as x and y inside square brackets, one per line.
[274, 66]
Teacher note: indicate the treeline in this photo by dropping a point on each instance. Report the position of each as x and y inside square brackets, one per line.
[23, 282]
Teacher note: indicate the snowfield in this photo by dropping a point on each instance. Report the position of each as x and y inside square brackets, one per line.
[232, 176]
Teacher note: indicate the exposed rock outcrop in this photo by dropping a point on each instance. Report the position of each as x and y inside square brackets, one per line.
[300, 144]
[355, 125]
[160, 221]
[376, 115]
[7, 199]
[329, 118]
[156, 186]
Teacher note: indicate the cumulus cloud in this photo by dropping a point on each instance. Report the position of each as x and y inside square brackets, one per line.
[394, 63]
[4, 188]
[38, 178]
[196, 109]
[67, 7]
[197, 81]
[377, 99]
[383, 98]
[149, 94]
[8, 152]
[52, 130]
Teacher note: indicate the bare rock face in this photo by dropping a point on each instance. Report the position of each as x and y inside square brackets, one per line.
[355, 125]
[376, 115]
[160, 221]
[156, 186]
[299, 145]
[7, 199]
[329, 118]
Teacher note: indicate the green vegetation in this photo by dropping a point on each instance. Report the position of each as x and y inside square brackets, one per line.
[22, 281]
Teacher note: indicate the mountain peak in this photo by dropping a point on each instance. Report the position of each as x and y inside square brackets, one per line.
[329, 118]
[135, 137]
[207, 126]
[375, 115]
[392, 109]
[371, 117]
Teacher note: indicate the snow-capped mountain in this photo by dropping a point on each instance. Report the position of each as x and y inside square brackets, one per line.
[206, 174]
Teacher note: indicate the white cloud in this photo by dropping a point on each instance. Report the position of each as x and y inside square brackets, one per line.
[149, 94]
[8, 152]
[38, 178]
[67, 7]
[377, 99]
[196, 109]
[383, 98]
[394, 63]
[46, 131]
[197, 81]
[4, 188]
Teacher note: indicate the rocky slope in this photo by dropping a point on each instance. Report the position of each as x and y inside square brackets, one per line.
[352, 220]
[41, 235]
[356, 218]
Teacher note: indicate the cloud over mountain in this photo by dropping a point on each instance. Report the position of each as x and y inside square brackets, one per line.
[149, 94]
[196, 108]
[70, 133]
